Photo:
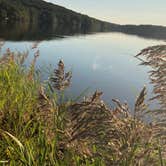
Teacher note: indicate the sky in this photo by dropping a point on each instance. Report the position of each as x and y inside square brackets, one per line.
[120, 11]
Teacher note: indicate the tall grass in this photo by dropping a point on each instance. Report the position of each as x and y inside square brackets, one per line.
[38, 127]
[155, 57]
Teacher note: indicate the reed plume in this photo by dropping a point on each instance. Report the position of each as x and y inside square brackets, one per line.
[155, 57]
[61, 79]
[113, 131]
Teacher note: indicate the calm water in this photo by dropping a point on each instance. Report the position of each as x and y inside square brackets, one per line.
[103, 61]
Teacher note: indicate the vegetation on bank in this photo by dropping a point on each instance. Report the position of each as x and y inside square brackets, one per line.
[38, 127]
[37, 19]
[36, 16]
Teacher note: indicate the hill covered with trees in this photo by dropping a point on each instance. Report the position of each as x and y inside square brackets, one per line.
[43, 15]
[37, 19]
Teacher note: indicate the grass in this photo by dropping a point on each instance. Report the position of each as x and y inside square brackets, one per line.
[39, 128]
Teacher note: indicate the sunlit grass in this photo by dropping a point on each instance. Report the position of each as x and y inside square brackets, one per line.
[38, 127]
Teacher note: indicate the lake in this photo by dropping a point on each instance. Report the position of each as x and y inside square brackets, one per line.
[103, 61]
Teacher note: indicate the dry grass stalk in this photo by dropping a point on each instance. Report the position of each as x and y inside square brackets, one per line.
[60, 79]
[35, 45]
[32, 67]
[9, 56]
[140, 106]
[45, 114]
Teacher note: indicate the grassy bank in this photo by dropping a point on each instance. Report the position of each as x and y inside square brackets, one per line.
[39, 128]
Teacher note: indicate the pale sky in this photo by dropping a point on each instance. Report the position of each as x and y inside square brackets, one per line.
[120, 11]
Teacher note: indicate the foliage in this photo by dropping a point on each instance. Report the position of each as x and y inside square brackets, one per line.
[46, 17]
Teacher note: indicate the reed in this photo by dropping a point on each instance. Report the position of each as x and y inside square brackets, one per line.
[36, 128]
[155, 57]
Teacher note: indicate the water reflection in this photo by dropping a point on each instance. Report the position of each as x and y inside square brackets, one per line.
[24, 31]
[17, 31]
